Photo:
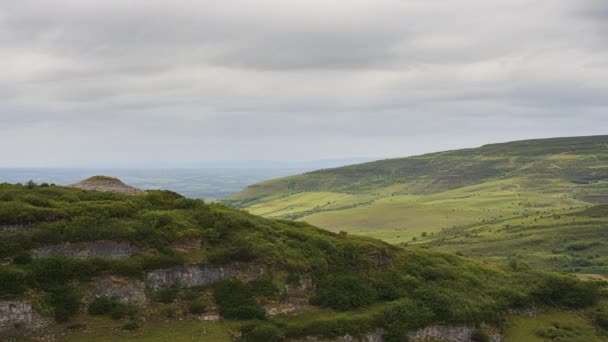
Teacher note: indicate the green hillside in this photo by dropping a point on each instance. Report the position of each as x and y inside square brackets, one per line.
[574, 240]
[168, 260]
[400, 199]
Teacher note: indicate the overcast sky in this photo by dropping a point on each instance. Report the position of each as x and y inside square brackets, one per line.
[177, 83]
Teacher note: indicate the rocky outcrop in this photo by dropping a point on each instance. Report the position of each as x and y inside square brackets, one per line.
[449, 334]
[99, 249]
[105, 183]
[201, 274]
[375, 336]
[18, 317]
[124, 290]
[15, 227]
[295, 298]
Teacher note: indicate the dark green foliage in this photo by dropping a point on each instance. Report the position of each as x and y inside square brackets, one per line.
[237, 301]
[197, 306]
[344, 292]
[412, 286]
[479, 335]
[403, 316]
[168, 295]
[565, 292]
[65, 301]
[112, 308]
[13, 281]
[261, 332]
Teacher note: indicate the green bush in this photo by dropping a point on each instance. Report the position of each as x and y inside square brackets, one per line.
[344, 292]
[261, 332]
[112, 308]
[479, 335]
[65, 301]
[13, 281]
[168, 295]
[236, 301]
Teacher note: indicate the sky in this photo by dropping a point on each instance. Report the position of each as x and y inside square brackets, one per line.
[182, 83]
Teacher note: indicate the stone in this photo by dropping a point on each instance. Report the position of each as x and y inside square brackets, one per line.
[201, 274]
[124, 290]
[107, 184]
[18, 316]
[100, 249]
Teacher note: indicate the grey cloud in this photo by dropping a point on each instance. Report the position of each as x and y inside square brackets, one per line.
[376, 73]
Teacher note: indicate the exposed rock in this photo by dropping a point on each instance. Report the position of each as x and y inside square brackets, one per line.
[375, 336]
[18, 317]
[201, 274]
[124, 290]
[15, 227]
[210, 317]
[450, 334]
[296, 297]
[101, 249]
[273, 309]
[105, 183]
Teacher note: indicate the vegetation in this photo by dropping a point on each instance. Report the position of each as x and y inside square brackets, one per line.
[572, 240]
[397, 200]
[361, 283]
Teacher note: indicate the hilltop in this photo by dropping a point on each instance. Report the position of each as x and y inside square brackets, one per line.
[401, 199]
[94, 266]
[105, 183]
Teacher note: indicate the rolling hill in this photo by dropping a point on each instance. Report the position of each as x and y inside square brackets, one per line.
[82, 265]
[399, 200]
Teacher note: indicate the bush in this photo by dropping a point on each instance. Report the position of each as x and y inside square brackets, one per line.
[112, 308]
[65, 301]
[261, 332]
[237, 301]
[197, 306]
[168, 295]
[403, 316]
[13, 281]
[479, 335]
[344, 292]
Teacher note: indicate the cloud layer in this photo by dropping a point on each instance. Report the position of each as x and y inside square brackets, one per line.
[176, 82]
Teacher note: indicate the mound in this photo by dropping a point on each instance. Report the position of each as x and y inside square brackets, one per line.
[107, 184]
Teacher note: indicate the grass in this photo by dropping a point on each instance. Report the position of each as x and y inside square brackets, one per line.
[571, 240]
[552, 326]
[398, 199]
[98, 329]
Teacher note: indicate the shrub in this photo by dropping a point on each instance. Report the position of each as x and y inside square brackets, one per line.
[168, 295]
[13, 281]
[479, 335]
[261, 332]
[197, 306]
[112, 308]
[237, 301]
[65, 301]
[344, 292]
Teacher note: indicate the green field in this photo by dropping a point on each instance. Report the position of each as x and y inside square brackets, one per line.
[571, 240]
[460, 201]
[95, 329]
[553, 326]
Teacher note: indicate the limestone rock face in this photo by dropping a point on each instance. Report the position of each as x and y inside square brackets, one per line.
[100, 249]
[124, 290]
[375, 336]
[105, 183]
[201, 274]
[448, 334]
[18, 316]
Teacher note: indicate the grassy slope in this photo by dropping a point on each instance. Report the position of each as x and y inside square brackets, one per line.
[399, 199]
[572, 240]
[367, 280]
